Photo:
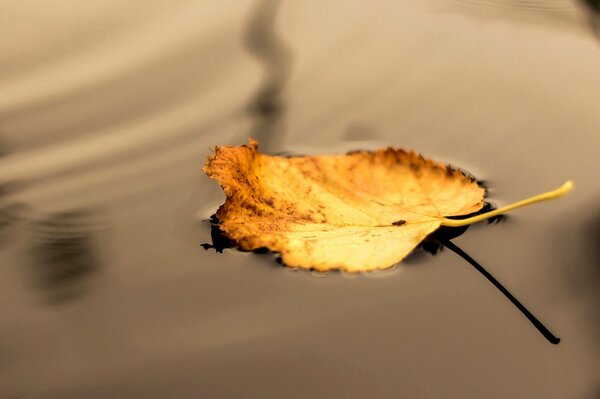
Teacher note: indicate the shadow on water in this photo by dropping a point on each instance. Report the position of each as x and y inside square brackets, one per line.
[594, 5]
[267, 107]
[10, 211]
[63, 254]
[592, 8]
[588, 281]
[578, 249]
[6, 218]
[585, 279]
[582, 271]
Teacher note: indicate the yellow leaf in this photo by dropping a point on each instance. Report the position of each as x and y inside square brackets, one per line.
[356, 212]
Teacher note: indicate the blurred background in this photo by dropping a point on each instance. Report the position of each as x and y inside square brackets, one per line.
[108, 110]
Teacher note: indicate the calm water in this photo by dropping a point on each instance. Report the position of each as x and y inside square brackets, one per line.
[108, 110]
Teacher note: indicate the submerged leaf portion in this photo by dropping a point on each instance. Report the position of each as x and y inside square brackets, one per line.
[356, 212]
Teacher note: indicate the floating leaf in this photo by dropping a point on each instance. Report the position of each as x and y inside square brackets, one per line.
[361, 211]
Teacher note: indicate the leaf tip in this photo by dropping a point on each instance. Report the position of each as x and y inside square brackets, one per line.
[567, 187]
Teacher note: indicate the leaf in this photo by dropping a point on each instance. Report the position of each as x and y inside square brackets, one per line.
[361, 211]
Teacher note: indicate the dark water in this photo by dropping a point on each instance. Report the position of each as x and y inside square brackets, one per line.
[107, 112]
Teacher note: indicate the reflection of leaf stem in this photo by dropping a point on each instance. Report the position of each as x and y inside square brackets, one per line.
[559, 192]
[537, 324]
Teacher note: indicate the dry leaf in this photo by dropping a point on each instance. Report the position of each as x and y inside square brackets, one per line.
[356, 212]
[361, 211]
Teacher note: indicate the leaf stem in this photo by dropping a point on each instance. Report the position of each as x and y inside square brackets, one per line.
[559, 192]
[536, 323]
